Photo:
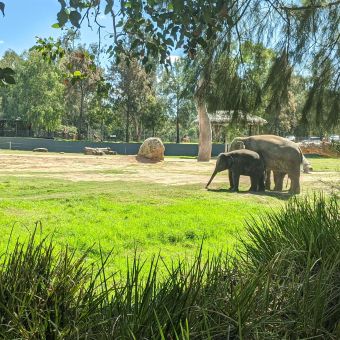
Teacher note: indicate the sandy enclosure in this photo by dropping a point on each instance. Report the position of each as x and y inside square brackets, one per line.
[173, 171]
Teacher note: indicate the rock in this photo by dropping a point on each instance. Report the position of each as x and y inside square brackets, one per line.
[40, 150]
[152, 149]
[98, 151]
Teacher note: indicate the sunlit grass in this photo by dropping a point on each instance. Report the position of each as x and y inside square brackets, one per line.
[126, 216]
[133, 216]
[324, 164]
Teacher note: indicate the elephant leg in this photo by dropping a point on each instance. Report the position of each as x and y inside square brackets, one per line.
[261, 184]
[236, 180]
[278, 180]
[231, 182]
[268, 172]
[254, 183]
[295, 183]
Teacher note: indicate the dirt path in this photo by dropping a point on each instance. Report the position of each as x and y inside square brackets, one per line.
[173, 171]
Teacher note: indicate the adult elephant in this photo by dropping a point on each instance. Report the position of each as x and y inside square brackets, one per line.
[281, 156]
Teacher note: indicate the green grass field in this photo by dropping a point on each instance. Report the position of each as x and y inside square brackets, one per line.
[129, 216]
[325, 164]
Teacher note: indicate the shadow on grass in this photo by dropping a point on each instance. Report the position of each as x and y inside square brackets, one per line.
[277, 194]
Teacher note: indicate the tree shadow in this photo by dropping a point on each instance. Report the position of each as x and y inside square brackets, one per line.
[281, 195]
[219, 190]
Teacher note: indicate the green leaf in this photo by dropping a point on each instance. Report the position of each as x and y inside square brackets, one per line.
[62, 17]
[108, 7]
[75, 18]
[74, 3]
[9, 80]
[170, 42]
[2, 8]
[178, 5]
[77, 74]
[8, 71]
[56, 25]
[62, 3]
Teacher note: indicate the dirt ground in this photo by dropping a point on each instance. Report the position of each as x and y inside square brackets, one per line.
[173, 171]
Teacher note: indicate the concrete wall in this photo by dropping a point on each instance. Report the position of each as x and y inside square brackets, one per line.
[28, 144]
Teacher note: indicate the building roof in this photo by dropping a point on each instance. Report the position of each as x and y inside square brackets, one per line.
[225, 117]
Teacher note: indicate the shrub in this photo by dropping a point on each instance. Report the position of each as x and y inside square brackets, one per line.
[282, 284]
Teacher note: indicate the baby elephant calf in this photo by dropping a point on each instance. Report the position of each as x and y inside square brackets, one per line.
[241, 162]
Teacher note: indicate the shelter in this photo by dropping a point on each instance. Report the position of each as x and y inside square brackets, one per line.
[221, 119]
[224, 118]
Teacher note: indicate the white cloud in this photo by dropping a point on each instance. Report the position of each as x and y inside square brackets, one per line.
[2, 42]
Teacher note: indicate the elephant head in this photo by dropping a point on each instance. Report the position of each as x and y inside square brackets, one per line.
[237, 144]
[224, 162]
[307, 167]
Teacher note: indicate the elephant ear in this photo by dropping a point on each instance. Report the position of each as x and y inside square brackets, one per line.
[230, 161]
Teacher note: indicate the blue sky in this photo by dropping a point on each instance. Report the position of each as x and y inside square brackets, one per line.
[26, 19]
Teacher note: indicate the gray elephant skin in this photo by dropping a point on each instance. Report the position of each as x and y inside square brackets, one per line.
[281, 156]
[241, 162]
[279, 176]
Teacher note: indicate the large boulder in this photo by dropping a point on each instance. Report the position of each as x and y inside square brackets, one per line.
[152, 149]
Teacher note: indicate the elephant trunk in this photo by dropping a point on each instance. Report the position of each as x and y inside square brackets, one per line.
[211, 178]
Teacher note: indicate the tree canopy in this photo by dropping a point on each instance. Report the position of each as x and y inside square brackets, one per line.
[252, 55]
[303, 34]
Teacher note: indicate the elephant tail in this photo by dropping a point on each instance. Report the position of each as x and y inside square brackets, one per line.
[301, 156]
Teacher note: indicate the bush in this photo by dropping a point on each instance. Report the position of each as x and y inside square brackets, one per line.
[335, 146]
[283, 283]
[66, 132]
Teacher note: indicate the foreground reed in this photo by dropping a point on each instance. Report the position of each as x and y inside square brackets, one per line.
[283, 283]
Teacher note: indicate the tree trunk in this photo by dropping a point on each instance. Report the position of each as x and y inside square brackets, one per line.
[127, 126]
[81, 112]
[177, 120]
[205, 140]
[138, 127]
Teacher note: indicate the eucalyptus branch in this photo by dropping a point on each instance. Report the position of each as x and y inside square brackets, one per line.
[243, 12]
[277, 10]
[239, 44]
[310, 7]
[114, 27]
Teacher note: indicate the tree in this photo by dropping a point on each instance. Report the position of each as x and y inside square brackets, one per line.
[37, 96]
[154, 117]
[6, 73]
[177, 86]
[81, 84]
[132, 90]
[154, 28]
